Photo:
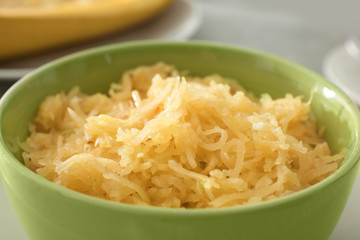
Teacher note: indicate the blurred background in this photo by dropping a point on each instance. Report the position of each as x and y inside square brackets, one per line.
[310, 32]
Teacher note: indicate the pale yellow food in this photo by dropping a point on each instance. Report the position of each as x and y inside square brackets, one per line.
[164, 140]
[38, 3]
[31, 26]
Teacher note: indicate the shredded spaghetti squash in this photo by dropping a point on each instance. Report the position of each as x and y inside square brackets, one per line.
[164, 140]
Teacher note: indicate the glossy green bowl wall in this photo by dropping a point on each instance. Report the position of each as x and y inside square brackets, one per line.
[48, 211]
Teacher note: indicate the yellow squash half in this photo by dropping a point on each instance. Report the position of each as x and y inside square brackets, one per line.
[24, 30]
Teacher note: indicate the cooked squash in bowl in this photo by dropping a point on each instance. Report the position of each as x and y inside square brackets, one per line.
[50, 211]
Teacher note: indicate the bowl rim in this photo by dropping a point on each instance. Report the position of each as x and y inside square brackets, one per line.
[352, 153]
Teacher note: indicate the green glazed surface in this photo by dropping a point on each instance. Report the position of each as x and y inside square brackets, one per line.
[48, 211]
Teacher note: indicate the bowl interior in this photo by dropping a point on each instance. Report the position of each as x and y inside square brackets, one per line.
[95, 69]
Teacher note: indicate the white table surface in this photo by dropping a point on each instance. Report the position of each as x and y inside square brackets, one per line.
[303, 31]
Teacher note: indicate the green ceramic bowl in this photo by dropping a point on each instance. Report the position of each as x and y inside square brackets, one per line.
[50, 212]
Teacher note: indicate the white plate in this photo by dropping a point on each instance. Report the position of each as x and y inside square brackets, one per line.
[179, 22]
[342, 66]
